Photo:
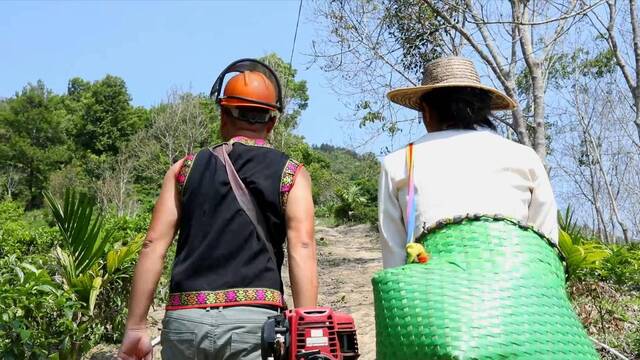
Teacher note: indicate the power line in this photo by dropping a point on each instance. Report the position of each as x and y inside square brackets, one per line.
[295, 34]
[293, 47]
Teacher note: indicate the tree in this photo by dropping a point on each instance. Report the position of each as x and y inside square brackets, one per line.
[184, 123]
[105, 117]
[295, 99]
[613, 33]
[595, 149]
[373, 46]
[115, 190]
[534, 30]
[524, 40]
[33, 126]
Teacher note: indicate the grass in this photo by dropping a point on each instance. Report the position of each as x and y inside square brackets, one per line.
[611, 315]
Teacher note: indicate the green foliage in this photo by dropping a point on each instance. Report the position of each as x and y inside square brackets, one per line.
[33, 141]
[588, 258]
[104, 116]
[94, 264]
[418, 32]
[295, 99]
[82, 247]
[20, 235]
[37, 317]
[124, 229]
[184, 123]
[622, 267]
[566, 66]
[346, 187]
[583, 255]
[609, 313]
[350, 202]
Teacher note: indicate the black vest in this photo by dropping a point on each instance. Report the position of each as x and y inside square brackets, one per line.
[218, 248]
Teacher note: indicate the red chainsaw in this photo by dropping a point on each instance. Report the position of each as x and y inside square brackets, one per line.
[309, 334]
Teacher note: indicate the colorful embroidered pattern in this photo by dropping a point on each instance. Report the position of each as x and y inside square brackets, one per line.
[181, 178]
[231, 297]
[249, 141]
[287, 180]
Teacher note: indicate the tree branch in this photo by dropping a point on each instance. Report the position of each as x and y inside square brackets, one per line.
[636, 40]
[613, 42]
[550, 45]
[474, 44]
[548, 21]
[609, 349]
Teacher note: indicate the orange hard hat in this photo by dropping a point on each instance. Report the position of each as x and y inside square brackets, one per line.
[256, 85]
[250, 89]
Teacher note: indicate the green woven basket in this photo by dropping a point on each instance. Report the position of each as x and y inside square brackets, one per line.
[492, 289]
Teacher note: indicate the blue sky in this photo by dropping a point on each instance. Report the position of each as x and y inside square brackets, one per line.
[155, 46]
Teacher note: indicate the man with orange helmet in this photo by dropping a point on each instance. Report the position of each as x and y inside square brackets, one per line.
[233, 206]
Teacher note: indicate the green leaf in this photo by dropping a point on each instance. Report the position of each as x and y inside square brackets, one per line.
[95, 290]
[46, 288]
[29, 267]
[118, 257]
[20, 274]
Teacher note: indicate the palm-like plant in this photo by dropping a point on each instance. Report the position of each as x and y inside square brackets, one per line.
[84, 263]
[83, 244]
[82, 256]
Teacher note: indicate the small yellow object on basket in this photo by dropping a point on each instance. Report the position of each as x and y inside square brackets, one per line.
[416, 254]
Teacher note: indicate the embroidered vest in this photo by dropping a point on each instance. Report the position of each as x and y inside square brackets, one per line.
[220, 260]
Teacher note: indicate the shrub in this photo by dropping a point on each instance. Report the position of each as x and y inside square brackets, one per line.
[622, 267]
[357, 203]
[584, 254]
[37, 315]
[20, 235]
[583, 259]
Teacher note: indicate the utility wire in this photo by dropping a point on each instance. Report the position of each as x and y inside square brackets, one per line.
[293, 47]
[295, 34]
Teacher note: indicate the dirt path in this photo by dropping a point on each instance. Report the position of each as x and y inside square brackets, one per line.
[347, 258]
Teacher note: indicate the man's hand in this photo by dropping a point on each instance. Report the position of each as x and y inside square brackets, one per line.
[136, 345]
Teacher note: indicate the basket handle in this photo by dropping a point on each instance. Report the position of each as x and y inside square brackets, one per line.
[410, 219]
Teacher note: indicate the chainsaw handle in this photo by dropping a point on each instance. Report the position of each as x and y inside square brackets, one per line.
[314, 311]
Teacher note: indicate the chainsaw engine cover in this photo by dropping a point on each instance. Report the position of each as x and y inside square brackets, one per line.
[310, 334]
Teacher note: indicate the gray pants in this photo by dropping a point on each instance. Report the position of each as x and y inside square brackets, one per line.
[213, 334]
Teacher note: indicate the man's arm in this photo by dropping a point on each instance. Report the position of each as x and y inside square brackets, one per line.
[162, 230]
[301, 244]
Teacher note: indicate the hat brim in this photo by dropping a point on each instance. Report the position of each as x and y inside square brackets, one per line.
[410, 97]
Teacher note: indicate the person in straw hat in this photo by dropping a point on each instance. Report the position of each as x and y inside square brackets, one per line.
[469, 236]
[462, 166]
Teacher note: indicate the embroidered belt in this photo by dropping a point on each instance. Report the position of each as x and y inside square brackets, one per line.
[224, 298]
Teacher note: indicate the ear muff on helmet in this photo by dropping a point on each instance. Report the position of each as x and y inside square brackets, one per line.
[243, 66]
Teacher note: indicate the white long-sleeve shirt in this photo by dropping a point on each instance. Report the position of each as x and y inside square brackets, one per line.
[459, 172]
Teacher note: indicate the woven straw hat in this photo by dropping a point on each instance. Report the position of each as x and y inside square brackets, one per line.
[450, 71]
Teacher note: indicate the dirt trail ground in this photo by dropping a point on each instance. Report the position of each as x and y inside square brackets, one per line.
[347, 258]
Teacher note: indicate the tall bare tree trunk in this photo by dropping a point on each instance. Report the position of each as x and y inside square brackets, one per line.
[633, 11]
[632, 79]
[592, 147]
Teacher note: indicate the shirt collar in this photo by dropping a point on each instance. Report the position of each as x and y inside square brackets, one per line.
[250, 141]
